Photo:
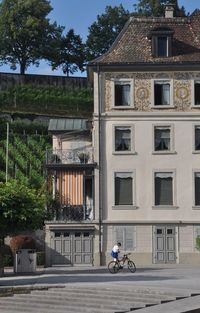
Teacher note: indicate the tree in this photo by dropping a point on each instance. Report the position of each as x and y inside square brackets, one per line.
[104, 31]
[21, 208]
[156, 8]
[69, 54]
[25, 32]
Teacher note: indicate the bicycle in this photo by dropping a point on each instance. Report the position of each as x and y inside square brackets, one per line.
[115, 266]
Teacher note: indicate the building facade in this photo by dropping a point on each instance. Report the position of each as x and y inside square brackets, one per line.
[147, 140]
[71, 231]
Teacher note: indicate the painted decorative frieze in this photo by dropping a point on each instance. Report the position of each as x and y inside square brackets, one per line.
[182, 95]
[182, 87]
[142, 88]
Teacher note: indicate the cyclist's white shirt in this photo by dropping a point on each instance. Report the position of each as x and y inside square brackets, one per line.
[115, 248]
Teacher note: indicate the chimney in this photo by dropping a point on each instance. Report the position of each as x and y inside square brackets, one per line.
[169, 10]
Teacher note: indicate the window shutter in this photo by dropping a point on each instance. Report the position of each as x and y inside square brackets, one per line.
[119, 235]
[197, 231]
[127, 236]
[130, 239]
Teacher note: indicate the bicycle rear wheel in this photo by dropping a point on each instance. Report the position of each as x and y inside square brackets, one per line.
[131, 266]
[113, 267]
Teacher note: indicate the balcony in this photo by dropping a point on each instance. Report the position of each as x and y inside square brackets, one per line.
[75, 156]
[73, 213]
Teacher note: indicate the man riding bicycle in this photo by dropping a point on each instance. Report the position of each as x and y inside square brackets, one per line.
[115, 252]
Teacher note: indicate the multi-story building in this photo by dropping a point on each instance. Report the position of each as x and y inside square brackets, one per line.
[73, 223]
[147, 140]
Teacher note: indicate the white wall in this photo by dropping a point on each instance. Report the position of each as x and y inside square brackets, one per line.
[144, 162]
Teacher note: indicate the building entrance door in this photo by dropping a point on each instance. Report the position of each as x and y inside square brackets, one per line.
[164, 244]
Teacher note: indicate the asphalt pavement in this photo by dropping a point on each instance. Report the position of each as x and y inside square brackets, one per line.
[167, 276]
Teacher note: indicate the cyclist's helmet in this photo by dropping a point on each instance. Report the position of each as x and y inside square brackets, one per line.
[119, 244]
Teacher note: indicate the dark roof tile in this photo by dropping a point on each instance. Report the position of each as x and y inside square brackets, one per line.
[133, 45]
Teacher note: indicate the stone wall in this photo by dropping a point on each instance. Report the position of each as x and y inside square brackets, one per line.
[9, 79]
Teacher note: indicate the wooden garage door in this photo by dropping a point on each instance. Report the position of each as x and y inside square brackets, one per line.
[71, 247]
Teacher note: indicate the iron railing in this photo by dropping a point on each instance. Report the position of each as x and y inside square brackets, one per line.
[73, 213]
[70, 156]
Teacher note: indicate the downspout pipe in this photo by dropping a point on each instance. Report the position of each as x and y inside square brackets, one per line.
[100, 164]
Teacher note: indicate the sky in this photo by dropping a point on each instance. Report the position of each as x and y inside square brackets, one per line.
[79, 15]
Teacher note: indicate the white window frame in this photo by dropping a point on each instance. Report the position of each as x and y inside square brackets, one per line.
[132, 138]
[124, 206]
[124, 239]
[194, 171]
[193, 141]
[172, 145]
[193, 105]
[122, 81]
[171, 82]
[165, 171]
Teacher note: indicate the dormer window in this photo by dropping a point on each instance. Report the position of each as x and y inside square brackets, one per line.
[162, 46]
[161, 42]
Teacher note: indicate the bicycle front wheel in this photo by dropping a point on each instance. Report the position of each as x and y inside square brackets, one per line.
[131, 266]
[113, 267]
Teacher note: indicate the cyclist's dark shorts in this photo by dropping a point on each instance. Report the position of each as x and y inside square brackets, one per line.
[114, 255]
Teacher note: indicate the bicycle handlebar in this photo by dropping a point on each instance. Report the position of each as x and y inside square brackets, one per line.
[127, 254]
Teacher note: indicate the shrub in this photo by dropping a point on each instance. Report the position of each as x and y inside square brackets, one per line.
[198, 242]
[40, 258]
[8, 260]
[22, 242]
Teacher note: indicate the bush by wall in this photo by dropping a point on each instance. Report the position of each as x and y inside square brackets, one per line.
[22, 242]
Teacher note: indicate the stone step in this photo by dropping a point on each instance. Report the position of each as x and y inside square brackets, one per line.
[89, 299]
[129, 296]
[104, 297]
[25, 303]
[98, 302]
[58, 309]
[187, 305]
[126, 289]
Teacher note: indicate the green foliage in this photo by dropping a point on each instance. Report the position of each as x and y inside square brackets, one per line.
[157, 8]
[25, 32]
[40, 258]
[104, 31]
[198, 242]
[21, 207]
[23, 200]
[27, 153]
[8, 260]
[22, 128]
[47, 100]
[70, 54]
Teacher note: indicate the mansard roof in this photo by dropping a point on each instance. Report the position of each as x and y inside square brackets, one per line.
[133, 45]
